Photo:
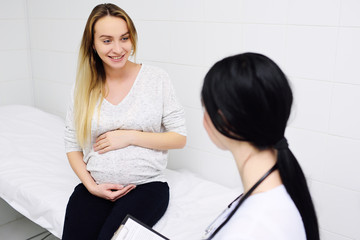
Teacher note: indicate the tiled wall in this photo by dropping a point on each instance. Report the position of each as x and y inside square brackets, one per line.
[55, 32]
[15, 78]
[15, 70]
[315, 42]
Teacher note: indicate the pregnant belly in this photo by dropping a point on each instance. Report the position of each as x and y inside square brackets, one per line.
[117, 167]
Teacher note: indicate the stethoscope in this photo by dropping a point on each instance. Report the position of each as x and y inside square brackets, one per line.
[225, 216]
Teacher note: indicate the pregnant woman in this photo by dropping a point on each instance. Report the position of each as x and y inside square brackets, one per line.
[122, 120]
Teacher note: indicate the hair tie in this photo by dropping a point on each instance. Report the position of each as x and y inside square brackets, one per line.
[281, 144]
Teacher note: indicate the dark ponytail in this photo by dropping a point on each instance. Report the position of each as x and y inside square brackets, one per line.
[248, 98]
[295, 183]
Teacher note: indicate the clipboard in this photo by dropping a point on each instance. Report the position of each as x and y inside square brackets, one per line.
[133, 229]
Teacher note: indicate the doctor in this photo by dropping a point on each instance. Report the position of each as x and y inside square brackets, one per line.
[247, 101]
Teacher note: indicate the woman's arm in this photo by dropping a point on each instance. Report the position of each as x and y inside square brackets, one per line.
[79, 167]
[159, 141]
[110, 192]
[122, 138]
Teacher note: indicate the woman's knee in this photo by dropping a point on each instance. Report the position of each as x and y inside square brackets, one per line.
[152, 202]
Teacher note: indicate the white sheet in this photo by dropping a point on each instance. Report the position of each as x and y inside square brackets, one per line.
[36, 179]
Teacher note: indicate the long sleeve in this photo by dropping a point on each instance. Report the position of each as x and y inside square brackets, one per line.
[173, 118]
[71, 143]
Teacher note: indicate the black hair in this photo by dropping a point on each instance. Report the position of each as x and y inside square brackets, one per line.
[248, 98]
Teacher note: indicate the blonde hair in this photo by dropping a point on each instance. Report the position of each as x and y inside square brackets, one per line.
[90, 77]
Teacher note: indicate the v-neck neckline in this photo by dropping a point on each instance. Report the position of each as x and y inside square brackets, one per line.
[130, 91]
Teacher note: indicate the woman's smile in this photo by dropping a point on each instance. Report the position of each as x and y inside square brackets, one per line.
[117, 58]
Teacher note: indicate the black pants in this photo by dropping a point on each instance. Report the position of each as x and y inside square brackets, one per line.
[90, 217]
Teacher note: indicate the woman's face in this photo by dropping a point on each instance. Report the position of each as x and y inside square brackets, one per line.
[112, 42]
[216, 137]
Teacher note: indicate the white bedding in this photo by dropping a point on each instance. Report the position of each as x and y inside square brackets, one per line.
[36, 179]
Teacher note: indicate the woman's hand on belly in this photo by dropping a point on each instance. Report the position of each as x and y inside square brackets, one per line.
[111, 192]
[112, 140]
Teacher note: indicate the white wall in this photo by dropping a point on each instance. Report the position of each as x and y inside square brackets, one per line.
[55, 32]
[315, 42]
[15, 74]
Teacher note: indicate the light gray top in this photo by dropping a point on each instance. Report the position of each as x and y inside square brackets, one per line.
[150, 106]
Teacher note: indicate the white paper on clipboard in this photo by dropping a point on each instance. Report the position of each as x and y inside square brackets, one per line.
[133, 229]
